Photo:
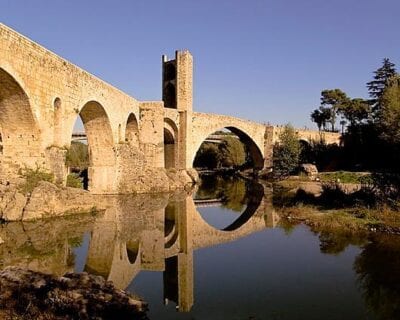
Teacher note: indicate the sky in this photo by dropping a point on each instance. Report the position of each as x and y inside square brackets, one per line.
[265, 61]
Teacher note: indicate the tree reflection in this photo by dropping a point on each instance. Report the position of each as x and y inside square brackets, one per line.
[336, 242]
[378, 270]
[231, 191]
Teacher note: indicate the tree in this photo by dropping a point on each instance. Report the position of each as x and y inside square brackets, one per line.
[343, 123]
[233, 152]
[389, 115]
[321, 116]
[333, 100]
[355, 110]
[208, 156]
[286, 152]
[377, 86]
[316, 116]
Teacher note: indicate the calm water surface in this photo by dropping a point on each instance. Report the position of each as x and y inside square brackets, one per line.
[224, 255]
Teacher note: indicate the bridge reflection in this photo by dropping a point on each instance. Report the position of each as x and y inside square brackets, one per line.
[138, 233]
[160, 233]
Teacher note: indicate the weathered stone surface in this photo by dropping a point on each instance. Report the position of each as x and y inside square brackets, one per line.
[47, 201]
[179, 179]
[33, 295]
[15, 206]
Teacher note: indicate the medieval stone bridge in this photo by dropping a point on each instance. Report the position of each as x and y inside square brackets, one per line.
[42, 95]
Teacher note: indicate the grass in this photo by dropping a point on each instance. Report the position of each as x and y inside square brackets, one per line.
[334, 209]
[342, 176]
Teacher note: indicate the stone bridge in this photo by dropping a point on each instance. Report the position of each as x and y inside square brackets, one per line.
[134, 146]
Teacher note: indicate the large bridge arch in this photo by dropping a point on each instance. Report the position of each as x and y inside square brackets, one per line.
[251, 134]
[101, 147]
[19, 127]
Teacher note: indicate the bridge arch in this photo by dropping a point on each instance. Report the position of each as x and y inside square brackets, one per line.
[20, 131]
[132, 130]
[250, 144]
[170, 143]
[102, 158]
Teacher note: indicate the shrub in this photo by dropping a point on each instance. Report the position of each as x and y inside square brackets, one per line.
[33, 177]
[286, 152]
[74, 181]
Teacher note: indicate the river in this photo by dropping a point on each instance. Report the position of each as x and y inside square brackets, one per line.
[219, 253]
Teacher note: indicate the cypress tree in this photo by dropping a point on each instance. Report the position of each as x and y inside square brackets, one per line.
[378, 85]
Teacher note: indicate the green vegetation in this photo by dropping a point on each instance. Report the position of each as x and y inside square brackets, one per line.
[33, 177]
[230, 190]
[334, 208]
[343, 177]
[74, 181]
[287, 152]
[371, 139]
[230, 153]
[77, 156]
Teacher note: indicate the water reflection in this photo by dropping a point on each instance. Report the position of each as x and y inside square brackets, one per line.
[378, 270]
[163, 232]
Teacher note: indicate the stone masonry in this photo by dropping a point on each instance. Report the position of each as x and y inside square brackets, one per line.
[134, 146]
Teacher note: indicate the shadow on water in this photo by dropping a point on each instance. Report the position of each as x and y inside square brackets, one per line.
[162, 248]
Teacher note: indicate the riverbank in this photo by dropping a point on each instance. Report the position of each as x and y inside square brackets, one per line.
[333, 207]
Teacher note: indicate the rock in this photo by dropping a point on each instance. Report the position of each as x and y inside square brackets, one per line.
[48, 200]
[26, 294]
[309, 169]
[1, 240]
[14, 208]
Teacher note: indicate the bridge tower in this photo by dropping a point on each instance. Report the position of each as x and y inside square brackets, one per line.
[177, 81]
[177, 94]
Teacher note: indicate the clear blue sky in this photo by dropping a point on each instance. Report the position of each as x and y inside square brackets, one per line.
[262, 60]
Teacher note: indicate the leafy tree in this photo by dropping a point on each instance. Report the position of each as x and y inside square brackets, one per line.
[389, 115]
[377, 86]
[333, 100]
[230, 153]
[316, 116]
[286, 152]
[321, 116]
[233, 153]
[208, 156]
[355, 110]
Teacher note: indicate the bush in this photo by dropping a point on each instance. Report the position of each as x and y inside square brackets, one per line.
[33, 177]
[286, 152]
[74, 181]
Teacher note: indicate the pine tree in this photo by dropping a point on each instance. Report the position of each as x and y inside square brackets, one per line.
[378, 85]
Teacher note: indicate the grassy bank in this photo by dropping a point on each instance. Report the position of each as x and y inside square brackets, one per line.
[352, 219]
[331, 208]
